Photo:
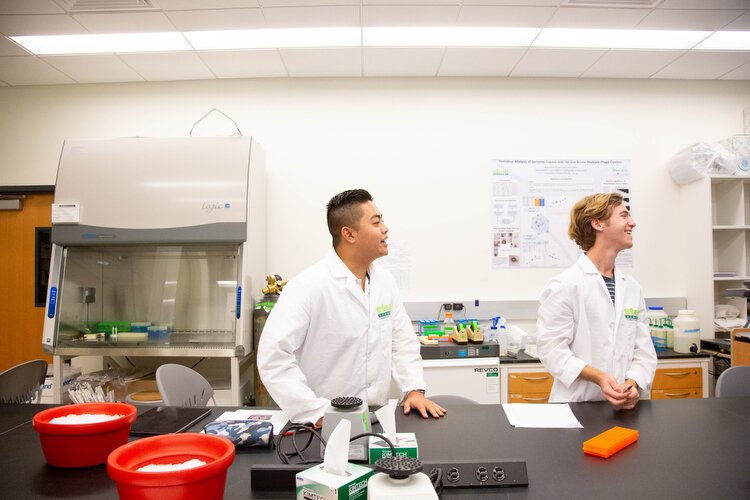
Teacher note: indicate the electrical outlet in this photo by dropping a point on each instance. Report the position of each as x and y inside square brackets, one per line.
[458, 306]
[481, 473]
[447, 306]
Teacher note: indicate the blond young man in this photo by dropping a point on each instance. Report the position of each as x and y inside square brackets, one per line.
[592, 328]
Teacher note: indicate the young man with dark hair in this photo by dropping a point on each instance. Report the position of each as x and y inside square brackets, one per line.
[339, 328]
[592, 328]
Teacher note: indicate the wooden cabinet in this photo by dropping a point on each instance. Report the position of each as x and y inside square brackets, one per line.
[677, 382]
[674, 378]
[529, 387]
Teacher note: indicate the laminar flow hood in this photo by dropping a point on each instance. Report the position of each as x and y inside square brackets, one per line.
[159, 246]
[151, 190]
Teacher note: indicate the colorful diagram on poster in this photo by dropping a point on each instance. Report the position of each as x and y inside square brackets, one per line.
[531, 202]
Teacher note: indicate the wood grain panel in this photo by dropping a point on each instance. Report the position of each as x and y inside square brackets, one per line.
[673, 378]
[530, 382]
[21, 322]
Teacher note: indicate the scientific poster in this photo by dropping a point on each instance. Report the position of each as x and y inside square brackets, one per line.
[531, 202]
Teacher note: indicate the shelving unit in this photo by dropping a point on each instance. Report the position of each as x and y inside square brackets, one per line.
[728, 247]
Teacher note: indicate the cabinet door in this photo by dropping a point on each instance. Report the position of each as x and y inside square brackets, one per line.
[539, 397]
[677, 378]
[529, 382]
[676, 393]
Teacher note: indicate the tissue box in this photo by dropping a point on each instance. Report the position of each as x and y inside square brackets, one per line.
[316, 483]
[406, 447]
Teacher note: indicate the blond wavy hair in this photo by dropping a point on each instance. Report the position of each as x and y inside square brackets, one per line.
[595, 206]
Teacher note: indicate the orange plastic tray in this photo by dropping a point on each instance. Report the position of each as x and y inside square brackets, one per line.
[610, 442]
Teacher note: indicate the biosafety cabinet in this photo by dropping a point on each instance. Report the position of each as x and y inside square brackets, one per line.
[159, 250]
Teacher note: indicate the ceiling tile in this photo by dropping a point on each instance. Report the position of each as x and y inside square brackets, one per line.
[171, 5]
[94, 68]
[381, 61]
[59, 24]
[742, 23]
[703, 4]
[10, 48]
[125, 22]
[345, 61]
[526, 17]
[741, 73]
[411, 2]
[665, 19]
[311, 17]
[585, 17]
[219, 19]
[168, 66]
[556, 62]
[305, 3]
[631, 63]
[480, 61]
[244, 63]
[30, 7]
[525, 3]
[701, 65]
[29, 70]
[409, 15]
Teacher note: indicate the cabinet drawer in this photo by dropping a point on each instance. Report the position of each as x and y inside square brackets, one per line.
[539, 397]
[673, 378]
[529, 382]
[677, 393]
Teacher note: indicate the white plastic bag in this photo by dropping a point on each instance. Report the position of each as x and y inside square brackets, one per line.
[700, 159]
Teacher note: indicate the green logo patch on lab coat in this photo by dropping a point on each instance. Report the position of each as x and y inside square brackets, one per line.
[631, 313]
[384, 310]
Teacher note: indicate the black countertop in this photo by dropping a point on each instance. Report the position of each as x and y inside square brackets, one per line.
[689, 448]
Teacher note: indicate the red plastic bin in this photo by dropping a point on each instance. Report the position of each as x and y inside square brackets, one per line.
[205, 482]
[83, 445]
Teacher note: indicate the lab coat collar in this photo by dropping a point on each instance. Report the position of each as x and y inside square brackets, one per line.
[345, 277]
[588, 267]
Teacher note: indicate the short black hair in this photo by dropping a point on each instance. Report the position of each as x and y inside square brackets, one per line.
[343, 210]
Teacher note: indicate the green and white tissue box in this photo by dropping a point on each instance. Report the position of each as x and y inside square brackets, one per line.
[316, 483]
[406, 447]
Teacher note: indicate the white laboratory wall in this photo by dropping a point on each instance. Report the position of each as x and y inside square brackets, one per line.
[421, 146]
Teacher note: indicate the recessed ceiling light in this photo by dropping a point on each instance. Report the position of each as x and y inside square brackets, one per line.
[435, 36]
[275, 38]
[619, 39]
[726, 40]
[103, 43]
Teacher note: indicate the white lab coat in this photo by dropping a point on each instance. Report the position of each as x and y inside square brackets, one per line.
[324, 340]
[577, 325]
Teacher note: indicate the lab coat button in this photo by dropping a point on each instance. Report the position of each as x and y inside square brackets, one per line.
[611, 325]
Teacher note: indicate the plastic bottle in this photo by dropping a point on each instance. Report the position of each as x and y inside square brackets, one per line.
[670, 333]
[449, 326]
[687, 332]
[656, 319]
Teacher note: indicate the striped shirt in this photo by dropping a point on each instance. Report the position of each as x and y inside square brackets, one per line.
[610, 282]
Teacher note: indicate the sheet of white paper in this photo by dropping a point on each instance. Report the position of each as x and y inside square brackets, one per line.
[558, 415]
[276, 417]
[387, 418]
[336, 454]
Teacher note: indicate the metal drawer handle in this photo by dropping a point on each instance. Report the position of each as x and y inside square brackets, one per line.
[535, 399]
[677, 374]
[546, 377]
[679, 395]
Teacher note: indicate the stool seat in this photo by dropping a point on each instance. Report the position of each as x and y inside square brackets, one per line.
[144, 398]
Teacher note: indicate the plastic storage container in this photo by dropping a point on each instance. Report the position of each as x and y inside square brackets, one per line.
[204, 482]
[687, 332]
[85, 444]
[656, 320]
